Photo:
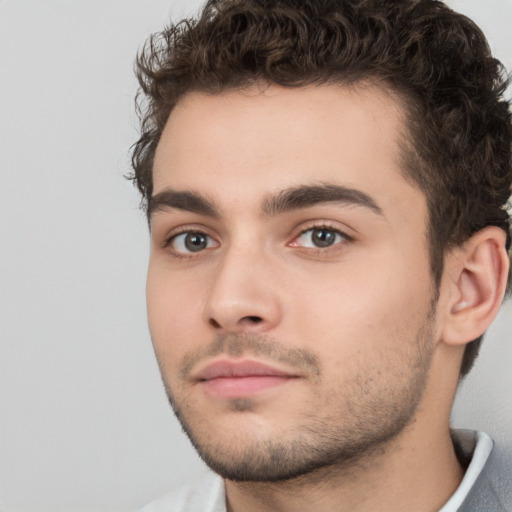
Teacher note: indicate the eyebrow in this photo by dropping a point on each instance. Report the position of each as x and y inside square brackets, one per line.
[181, 200]
[306, 196]
[294, 198]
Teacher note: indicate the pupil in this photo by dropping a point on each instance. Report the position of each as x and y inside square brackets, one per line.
[323, 237]
[195, 242]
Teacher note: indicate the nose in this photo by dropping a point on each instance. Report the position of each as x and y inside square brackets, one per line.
[242, 295]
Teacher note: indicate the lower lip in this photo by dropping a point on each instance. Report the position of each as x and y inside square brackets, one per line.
[239, 387]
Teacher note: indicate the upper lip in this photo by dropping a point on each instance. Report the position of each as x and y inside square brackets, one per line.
[245, 368]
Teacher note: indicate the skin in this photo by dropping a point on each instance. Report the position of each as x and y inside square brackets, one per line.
[356, 323]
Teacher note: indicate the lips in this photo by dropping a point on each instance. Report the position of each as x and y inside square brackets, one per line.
[245, 368]
[238, 379]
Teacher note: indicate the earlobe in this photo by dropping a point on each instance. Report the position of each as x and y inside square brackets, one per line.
[477, 277]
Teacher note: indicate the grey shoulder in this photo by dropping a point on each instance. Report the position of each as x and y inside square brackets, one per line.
[492, 491]
[204, 493]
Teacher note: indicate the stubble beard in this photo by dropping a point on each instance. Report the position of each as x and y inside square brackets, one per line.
[354, 423]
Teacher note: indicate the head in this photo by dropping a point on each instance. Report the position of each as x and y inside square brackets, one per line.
[457, 148]
[420, 81]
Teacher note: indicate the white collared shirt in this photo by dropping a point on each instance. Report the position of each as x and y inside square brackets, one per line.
[480, 455]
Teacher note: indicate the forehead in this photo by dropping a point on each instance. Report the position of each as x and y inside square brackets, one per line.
[239, 146]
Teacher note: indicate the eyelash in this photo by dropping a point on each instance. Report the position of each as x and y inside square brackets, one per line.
[327, 227]
[324, 226]
[182, 231]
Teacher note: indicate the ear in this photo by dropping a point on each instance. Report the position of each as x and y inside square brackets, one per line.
[475, 280]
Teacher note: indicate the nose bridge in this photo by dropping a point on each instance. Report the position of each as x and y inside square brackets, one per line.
[242, 295]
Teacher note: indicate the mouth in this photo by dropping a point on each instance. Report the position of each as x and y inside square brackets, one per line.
[239, 379]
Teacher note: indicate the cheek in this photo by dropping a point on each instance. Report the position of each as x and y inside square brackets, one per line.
[363, 307]
[173, 307]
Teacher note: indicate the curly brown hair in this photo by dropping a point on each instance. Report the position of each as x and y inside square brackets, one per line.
[439, 62]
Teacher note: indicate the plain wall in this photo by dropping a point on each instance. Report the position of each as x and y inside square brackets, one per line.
[84, 422]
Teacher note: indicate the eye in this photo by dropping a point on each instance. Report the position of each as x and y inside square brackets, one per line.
[319, 238]
[191, 241]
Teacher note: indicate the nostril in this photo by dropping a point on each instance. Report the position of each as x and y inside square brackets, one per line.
[253, 319]
[246, 320]
[214, 323]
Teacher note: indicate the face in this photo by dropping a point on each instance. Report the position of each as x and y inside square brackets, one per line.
[289, 293]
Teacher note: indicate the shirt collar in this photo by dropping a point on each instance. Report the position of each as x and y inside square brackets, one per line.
[469, 444]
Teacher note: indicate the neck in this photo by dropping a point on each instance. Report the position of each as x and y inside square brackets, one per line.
[406, 474]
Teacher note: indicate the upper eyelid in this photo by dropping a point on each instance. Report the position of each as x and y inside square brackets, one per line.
[325, 225]
[189, 232]
[321, 226]
[180, 230]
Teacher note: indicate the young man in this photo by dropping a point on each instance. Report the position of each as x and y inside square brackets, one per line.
[325, 183]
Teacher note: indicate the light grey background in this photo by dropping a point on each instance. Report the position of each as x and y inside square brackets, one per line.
[84, 423]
